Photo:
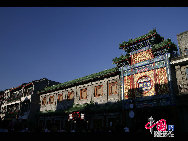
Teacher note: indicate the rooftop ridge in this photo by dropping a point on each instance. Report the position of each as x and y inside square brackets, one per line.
[138, 39]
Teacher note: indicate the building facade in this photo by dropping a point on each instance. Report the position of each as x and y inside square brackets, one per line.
[142, 87]
[180, 72]
[22, 103]
[146, 80]
[79, 95]
[149, 80]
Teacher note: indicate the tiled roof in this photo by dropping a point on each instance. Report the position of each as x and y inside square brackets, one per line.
[84, 79]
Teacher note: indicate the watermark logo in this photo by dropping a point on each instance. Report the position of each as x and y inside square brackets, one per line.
[161, 128]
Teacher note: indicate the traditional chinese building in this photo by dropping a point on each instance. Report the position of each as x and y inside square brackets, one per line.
[148, 80]
[21, 104]
[146, 83]
[127, 95]
[82, 104]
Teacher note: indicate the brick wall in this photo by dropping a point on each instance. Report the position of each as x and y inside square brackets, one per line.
[181, 77]
[183, 43]
[77, 99]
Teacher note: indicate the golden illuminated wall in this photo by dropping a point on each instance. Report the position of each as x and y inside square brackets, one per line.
[142, 56]
[144, 83]
[150, 82]
[161, 81]
[127, 86]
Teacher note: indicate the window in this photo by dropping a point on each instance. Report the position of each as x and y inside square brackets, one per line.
[51, 100]
[83, 93]
[186, 51]
[187, 73]
[70, 95]
[60, 97]
[112, 89]
[98, 90]
[44, 101]
[30, 90]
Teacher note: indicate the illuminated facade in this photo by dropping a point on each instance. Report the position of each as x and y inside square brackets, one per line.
[150, 77]
[146, 83]
[145, 69]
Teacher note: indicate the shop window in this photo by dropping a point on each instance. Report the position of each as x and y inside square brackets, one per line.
[70, 95]
[112, 88]
[83, 93]
[51, 100]
[98, 90]
[60, 97]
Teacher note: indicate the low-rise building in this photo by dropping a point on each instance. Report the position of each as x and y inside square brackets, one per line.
[125, 96]
[149, 81]
[180, 73]
[22, 103]
[60, 101]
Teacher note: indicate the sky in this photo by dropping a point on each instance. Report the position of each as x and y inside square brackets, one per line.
[65, 43]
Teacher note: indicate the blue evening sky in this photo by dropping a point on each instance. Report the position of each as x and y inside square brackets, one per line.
[65, 43]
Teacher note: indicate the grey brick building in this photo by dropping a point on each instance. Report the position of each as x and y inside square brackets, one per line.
[180, 75]
[57, 103]
[21, 104]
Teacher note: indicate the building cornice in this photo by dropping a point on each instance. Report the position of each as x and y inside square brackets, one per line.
[179, 60]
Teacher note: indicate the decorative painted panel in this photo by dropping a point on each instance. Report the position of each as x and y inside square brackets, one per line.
[160, 64]
[140, 50]
[144, 84]
[127, 86]
[148, 83]
[145, 77]
[142, 56]
[161, 81]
